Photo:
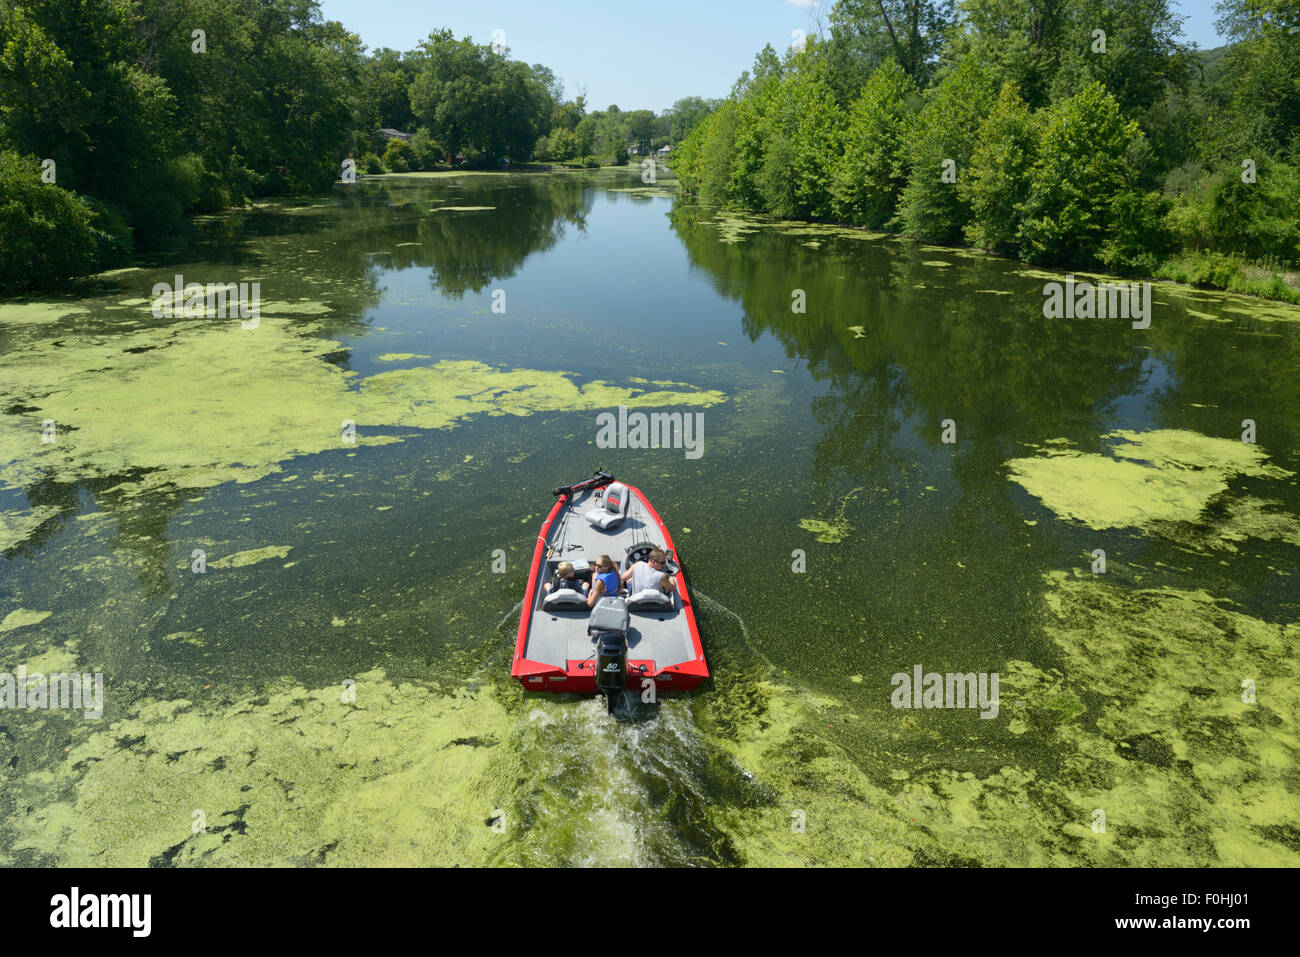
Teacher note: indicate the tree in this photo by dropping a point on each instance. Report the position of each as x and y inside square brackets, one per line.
[940, 149]
[870, 172]
[1079, 173]
[564, 145]
[470, 98]
[686, 114]
[913, 32]
[998, 181]
[1265, 65]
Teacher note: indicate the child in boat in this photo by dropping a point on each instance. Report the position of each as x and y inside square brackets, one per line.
[564, 578]
[604, 582]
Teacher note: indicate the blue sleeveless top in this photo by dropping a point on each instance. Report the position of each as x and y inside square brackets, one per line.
[610, 579]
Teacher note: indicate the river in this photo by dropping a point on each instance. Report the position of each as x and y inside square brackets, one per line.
[282, 546]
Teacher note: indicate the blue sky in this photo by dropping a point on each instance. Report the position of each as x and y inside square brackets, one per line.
[638, 55]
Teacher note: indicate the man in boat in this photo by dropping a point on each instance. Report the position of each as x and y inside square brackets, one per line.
[564, 578]
[650, 574]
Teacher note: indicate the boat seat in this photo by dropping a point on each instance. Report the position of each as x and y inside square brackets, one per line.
[650, 599]
[562, 598]
[613, 510]
[609, 616]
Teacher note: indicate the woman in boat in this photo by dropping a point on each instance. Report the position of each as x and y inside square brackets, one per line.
[604, 582]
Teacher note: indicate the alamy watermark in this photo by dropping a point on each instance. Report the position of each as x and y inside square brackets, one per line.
[219, 300]
[930, 689]
[57, 690]
[656, 430]
[1085, 300]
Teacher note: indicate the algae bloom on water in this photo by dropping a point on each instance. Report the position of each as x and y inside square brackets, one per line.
[1148, 478]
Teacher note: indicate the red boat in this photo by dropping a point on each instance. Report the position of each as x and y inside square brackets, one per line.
[629, 642]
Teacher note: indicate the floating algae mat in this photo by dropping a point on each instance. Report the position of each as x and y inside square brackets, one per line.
[297, 776]
[177, 404]
[1146, 479]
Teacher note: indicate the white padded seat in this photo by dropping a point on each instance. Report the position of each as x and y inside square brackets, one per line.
[563, 598]
[614, 508]
[650, 599]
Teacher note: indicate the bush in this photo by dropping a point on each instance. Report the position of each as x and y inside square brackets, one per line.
[425, 154]
[591, 163]
[372, 164]
[49, 232]
[1137, 236]
[397, 156]
[563, 145]
[620, 155]
[113, 237]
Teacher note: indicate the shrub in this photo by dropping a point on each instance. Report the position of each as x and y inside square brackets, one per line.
[397, 156]
[425, 154]
[49, 232]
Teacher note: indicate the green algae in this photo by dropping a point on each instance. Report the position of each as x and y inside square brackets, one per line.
[459, 209]
[197, 404]
[735, 227]
[827, 532]
[835, 530]
[399, 357]
[14, 314]
[22, 617]
[1143, 721]
[1247, 517]
[295, 776]
[440, 395]
[1178, 760]
[1149, 478]
[251, 557]
[16, 525]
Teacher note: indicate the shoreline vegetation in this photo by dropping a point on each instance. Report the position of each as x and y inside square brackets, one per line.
[1080, 135]
[164, 129]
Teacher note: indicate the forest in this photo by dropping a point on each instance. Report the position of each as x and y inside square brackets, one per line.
[1078, 133]
[120, 118]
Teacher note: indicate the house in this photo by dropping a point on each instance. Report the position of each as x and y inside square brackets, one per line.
[394, 135]
[665, 149]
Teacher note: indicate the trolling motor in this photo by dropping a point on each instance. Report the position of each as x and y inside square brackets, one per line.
[599, 480]
[608, 626]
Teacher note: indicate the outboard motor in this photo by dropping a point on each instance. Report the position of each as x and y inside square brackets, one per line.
[608, 626]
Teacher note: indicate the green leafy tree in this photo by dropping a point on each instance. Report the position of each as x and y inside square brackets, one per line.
[1265, 68]
[998, 181]
[913, 32]
[1080, 171]
[870, 172]
[564, 145]
[470, 98]
[939, 149]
